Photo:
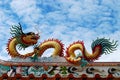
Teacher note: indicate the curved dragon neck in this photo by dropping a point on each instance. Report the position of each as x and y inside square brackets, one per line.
[71, 56]
[52, 43]
[73, 48]
[79, 45]
[94, 55]
[11, 47]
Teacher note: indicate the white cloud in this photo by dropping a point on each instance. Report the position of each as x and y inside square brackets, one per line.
[113, 57]
[29, 13]
[20, 6]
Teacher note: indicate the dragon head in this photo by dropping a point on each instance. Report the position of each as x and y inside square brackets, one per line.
[30, 38]
[24, 39]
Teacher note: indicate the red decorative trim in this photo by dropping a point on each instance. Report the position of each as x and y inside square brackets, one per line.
[18, 76]
[8, 63]
[57, 76]
[110, 76]
[97, 76]
[31, 76]
[4, 76]
[84, 76]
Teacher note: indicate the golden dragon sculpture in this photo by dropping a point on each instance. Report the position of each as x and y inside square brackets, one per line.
[23, 40]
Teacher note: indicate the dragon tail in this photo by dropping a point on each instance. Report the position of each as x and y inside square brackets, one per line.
[100, 46]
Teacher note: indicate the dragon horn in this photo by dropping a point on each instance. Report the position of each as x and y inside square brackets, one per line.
[20, 28]
[36, 28]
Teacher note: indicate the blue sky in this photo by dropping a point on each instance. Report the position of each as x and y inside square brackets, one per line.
[66, 20]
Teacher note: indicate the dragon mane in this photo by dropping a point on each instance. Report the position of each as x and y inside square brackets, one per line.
[17, 32]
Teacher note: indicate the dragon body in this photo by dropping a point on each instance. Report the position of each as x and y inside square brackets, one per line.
[99, 47]
[23, 40]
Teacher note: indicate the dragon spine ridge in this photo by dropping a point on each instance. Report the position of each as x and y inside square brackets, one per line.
[16, 31]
